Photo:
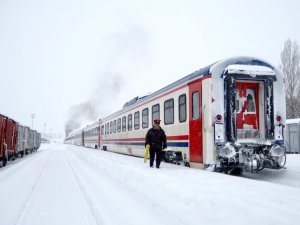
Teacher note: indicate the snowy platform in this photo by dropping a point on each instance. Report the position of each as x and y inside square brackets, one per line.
[63, 184]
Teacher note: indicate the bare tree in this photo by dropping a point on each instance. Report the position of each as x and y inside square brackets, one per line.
[290, 65]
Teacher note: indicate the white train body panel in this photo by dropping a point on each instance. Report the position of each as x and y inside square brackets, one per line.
[91, 136]
[132, 142]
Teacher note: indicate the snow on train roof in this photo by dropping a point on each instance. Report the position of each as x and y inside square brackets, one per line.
[249, 69]
[221, 66]
[293, 121]
[90, 126]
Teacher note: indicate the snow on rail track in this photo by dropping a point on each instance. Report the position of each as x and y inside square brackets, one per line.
[32, 194]
[95, 216]
[63, 184]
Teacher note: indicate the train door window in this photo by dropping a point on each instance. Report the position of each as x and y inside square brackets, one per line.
[195, 105]
[115, 126]
[119, 125]
[130, 122]
[182, 108]
[145, 118]
[111, 126]
[137, 120]
[155, 112]
[124, 124]
[251, 100]
[169, 111]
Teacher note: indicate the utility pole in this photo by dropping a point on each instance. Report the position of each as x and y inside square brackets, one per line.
[32, 117]
[45, 130]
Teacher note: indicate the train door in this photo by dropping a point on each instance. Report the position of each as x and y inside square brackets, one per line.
[195, 122]
[82, 138]
[247, 108]
[99, 136]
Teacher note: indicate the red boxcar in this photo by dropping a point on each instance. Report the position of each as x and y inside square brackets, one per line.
[8, 137]
[3, 155]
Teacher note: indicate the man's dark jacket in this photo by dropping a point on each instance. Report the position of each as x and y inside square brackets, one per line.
[156, 138]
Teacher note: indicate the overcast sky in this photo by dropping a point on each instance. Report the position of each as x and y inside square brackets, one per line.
[58, 56]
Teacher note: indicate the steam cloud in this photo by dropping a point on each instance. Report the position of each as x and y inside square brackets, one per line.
[127, 50]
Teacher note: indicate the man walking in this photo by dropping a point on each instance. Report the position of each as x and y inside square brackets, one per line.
[157, 140]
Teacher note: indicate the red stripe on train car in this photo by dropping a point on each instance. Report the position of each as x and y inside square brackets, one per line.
[169, 138]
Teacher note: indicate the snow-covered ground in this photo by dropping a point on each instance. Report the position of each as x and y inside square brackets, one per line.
[63, 184]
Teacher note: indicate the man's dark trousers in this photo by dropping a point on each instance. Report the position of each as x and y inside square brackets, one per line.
[154, 151]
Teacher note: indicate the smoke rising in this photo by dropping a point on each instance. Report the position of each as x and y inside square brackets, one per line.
[124, 53]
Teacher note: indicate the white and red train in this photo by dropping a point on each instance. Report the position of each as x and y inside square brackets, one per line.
[228, 116]
[16, 140]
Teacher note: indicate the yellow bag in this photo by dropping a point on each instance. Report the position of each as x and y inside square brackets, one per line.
[146, 153]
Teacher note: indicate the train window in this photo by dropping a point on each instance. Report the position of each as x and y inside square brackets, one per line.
[102, 130]
[196, 104]
[169, 111]
[155, 112]
[130, 122]
[124, 123]
[145, 118]
[115, 126]
[119, 125]
[106, 128]
[182, 108]
[137, 120]
[111, 126]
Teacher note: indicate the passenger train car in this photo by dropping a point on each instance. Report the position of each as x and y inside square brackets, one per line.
[228, 116]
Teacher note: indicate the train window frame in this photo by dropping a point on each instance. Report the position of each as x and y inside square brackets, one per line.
[123, 123]
[157, 111]
[119, 125]
[137, 120]
[111, 127]
[115, 126]
[168, 122]
[196, 110]
[129, 121]
[185, 108]
[145, 118]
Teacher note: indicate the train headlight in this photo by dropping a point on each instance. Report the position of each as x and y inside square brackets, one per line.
[277, 151]
[277, 154]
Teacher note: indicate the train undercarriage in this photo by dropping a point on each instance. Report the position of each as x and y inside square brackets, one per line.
[234, 159]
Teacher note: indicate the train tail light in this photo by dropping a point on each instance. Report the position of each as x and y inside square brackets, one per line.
[278, 119]
[218, 118]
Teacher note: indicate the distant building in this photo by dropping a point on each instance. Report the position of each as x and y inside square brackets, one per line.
[292, 136]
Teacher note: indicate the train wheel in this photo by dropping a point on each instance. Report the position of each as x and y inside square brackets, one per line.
[237, 171]
[4, 161]
[187, 164]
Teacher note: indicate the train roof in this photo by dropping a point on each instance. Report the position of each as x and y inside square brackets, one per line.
[219, 68]
[293, 121]
[91, 126]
